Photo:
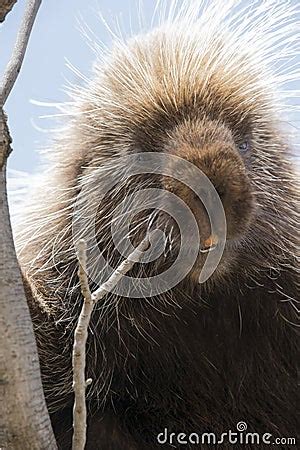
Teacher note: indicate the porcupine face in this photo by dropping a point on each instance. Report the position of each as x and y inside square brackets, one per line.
[208, 129]
[209, 132]
[204, 96]
[224, 157]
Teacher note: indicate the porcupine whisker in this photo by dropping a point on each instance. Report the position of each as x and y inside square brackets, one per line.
[196, 91]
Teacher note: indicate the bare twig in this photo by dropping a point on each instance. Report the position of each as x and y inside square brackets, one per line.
[78, 357]
[81, 332]
[120, 271]
[13, 68]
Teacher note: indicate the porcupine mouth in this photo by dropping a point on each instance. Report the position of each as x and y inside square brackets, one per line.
[173, 245]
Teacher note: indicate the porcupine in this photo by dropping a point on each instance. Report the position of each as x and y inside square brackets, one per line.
[206, 85]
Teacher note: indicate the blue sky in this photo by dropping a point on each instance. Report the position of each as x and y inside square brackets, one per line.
[55, 37]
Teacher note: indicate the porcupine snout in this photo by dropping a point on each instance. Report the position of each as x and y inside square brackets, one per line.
[210, 146]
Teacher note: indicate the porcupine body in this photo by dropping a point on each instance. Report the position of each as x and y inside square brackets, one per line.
[206, 86]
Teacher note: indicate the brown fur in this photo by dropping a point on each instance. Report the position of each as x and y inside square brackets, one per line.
[199, 357]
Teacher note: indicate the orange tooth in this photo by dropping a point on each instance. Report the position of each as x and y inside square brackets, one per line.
[211, 241]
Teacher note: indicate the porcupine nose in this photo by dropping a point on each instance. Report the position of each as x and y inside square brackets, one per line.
[222, 164]
[226, 170]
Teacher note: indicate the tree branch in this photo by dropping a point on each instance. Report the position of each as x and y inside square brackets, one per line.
[81, 332]
[78, 357]
[24, 419]
[13, 68]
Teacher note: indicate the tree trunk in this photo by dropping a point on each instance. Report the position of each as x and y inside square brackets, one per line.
[24, 420]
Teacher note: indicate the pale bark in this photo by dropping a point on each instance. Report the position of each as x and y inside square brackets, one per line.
[24, 419]
[79, 354]
[81, 332]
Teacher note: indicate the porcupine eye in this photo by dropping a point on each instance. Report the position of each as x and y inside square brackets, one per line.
[244, 147]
